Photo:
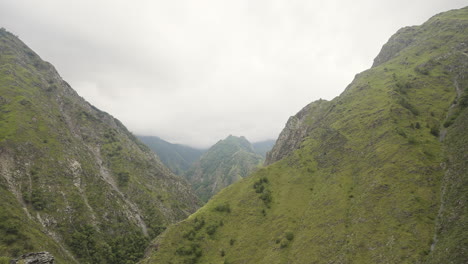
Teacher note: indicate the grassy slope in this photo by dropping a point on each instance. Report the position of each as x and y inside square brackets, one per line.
[364, 187]
[76, 171]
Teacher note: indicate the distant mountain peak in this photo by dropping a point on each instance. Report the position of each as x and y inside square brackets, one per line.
[226, 162]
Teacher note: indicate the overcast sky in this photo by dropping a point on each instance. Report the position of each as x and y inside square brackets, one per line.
[195, 71]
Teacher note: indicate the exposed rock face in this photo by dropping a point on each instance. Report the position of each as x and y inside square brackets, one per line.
[402, 39]
[35, 258]
[296, 130]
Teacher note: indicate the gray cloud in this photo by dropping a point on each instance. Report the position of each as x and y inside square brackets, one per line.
[195, 71]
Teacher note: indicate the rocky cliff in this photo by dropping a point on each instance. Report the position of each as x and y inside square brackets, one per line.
[35, 258]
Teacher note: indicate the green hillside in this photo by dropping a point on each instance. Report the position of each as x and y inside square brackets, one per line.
[73, 180]
[178, 158]
[224, 163]
[377, 175]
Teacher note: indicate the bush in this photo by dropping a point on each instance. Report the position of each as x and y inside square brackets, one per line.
[211, 230]
[266, 197]
[199, 223]
[464, 100]
[123, 178]
[284, 243]
[223, 208]
[194, 249]
[403, 102]
[190, 235]
[289, 236]
[37, 200]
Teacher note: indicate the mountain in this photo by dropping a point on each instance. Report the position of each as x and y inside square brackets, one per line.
[73, 180]
[376, 175]
[226, 162]
[178, 158]
[262, 147]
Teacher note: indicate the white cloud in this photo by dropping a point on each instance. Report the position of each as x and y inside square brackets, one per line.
[195, 71]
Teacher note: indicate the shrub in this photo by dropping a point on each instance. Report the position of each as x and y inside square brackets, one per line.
[259, 189]
[284, 243]
[403, 102]
[184, 251]
[199, 223]
[266, 197]
[223, 208]
[211, 230]
[289, 236]
[412, 140]
[123, 178]
[464, 100]
[193, 249]
[190, 235]
[37, 200]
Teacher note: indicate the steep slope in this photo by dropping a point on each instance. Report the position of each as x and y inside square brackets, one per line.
[262, 147]
[73, 180]
[377, 175]
[224, 163]
[178, 158]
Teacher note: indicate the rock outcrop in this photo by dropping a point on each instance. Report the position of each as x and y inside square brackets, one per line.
[35, 258]
[296, 130]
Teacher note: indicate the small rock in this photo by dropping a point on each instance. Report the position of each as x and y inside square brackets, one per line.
[35, 258]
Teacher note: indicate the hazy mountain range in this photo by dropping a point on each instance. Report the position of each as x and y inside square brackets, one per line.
[210, 170]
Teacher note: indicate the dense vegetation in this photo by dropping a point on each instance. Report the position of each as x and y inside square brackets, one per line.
[377, 175]
[73, 180]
